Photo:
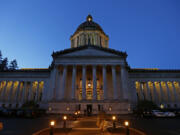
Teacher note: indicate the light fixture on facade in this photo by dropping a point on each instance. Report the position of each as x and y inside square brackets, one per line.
[89, 83]
[110, 108]
[162, 106]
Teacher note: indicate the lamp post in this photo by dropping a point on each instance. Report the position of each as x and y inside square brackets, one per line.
[64, 119]
[126, 123]
[114, 121]
[52, 124]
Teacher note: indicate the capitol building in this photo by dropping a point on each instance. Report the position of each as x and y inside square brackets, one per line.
[89, 76]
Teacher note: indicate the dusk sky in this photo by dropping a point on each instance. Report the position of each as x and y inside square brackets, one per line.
[148, 30]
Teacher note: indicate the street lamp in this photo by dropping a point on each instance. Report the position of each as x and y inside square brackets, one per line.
[114, 119]
[126, 123]
[52, 124]
[64, 119]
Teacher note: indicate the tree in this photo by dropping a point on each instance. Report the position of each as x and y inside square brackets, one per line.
[30, 105]
[4, 65]
[0, 58]
[13, 65]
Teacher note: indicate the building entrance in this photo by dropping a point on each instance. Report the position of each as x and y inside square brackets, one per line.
[89, 109]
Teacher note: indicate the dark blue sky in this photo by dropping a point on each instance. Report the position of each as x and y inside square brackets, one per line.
[148, 30]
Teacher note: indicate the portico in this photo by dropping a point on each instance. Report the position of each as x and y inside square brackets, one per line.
[88, 82]
[94, 77]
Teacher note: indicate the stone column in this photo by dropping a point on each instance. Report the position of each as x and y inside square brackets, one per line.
[37, 92]
[154, 93]
[104, 82]
[98, 40]
[161, 93]
[178, 90]
[94, 83]
[124, 91]
[84, 82]
[114, 82]
[168, 93]
[95, 38]
[58, 85]
[52, 84]
[23, 98]
[30, 91]
[147, 91]
[73, 82]
[79, 40]
[11, 91]
[45, 92]
[64, 81]
[141, 91]
[17, 92]
[4, 90]
[41, 88]
[174, 93]
[55, 83]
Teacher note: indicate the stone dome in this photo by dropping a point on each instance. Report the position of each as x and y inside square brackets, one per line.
[89, 24]
[89, 33]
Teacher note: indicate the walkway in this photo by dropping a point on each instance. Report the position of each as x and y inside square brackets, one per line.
[84, 126]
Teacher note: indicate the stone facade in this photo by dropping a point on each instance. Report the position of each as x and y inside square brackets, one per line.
[89, 77]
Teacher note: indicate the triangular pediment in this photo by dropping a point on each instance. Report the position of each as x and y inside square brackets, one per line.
[89, 51]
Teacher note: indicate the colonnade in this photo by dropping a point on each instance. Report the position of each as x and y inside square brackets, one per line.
[20, 91]
[79, 74]
[93, 37]
[159, 91]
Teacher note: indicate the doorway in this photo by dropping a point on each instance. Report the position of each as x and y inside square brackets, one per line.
[89, 109]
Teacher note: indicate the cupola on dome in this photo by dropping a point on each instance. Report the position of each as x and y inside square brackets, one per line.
[89, 33]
